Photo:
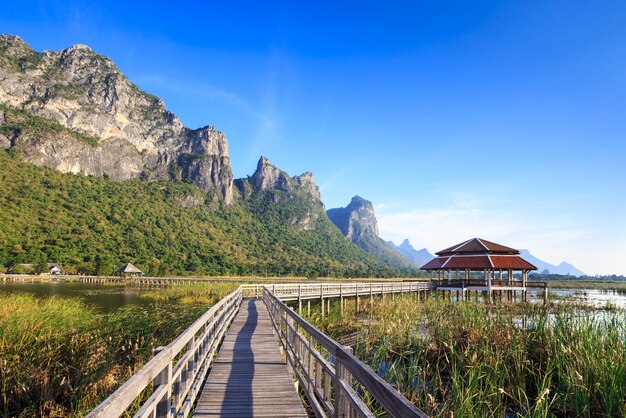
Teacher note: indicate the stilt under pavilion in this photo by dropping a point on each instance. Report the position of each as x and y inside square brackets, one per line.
[481, 266]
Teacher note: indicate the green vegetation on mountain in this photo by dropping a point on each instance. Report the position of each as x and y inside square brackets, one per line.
[16, 122]
[93, 225]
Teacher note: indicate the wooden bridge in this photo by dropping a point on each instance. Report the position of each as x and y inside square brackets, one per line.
[252, 355]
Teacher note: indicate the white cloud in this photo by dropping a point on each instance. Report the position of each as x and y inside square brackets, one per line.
[550, 239]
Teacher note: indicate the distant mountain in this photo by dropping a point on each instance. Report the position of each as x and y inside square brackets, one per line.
[358, 223]
[547, 268]
[421, 257]
[96, 173]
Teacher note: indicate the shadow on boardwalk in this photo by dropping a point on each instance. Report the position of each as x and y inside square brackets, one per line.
[239, 385]
[249, 377]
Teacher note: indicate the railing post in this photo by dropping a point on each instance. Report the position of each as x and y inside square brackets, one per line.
[164, 378]
[342, 402]
[341, 298]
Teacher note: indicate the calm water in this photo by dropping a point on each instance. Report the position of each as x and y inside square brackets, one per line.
[105, 297]
[595, 297]
[109, 297]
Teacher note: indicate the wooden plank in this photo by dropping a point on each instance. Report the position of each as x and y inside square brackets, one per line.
[250, 376]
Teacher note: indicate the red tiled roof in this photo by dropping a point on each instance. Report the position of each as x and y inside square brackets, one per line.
[435, 263]
[460, 262]
[511, 262]
[478, 246]
[478, 254]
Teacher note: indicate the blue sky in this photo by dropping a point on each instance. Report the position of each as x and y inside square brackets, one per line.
[502, 120]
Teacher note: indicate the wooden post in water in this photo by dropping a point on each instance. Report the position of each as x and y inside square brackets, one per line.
[545, 293]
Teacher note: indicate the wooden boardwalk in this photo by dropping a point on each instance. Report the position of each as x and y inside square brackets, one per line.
[250, 377]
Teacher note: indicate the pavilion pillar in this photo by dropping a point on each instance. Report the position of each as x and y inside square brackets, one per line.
[488, 277]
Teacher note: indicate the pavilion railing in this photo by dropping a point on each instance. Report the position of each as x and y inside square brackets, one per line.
[443, 283]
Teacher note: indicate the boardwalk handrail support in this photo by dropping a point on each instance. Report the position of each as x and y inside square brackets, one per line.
[176, 386]
[328, 379]
[176, 373]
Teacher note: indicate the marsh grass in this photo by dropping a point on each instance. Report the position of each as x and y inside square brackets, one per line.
[61, 357]
[192, 293]
[475, 360]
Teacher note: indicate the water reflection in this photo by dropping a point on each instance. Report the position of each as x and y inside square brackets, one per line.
[106, 297]
[598, 298]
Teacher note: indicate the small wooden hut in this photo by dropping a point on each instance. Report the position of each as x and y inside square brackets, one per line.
[129, 270]
[480, 265]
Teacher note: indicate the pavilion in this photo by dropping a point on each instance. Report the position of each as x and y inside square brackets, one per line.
[128, 270]
[480, 265]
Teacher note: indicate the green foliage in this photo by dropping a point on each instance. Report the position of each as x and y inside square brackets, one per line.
[27, 60]
[299, 226]
[475, 360]
[61, 357]
[20, 121]
[94, 225]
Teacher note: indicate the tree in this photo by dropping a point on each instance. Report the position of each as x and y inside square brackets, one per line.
[104, 264]
[41, 264]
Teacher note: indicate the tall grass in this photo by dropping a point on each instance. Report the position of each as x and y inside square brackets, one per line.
[192, 293]
[475, 360]
[61, 357]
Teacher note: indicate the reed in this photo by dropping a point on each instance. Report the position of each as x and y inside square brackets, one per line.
[61, 357]
[475, 360]
[192, 293]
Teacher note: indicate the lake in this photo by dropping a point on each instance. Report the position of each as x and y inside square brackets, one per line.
[109, 297]
[106, 297]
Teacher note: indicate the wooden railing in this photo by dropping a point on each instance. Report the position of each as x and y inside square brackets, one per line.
[443, 283]
[328, 372]
[304, 291]
[175, 375]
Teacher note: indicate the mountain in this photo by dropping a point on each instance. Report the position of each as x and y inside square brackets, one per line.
[421, 257]
[74, 111]
[97, 173]
[358, 223]
[547, 268]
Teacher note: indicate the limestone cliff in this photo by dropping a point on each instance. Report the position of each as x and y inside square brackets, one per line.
[113, 128]
[297, 199]
[358, 223]
[357, 220]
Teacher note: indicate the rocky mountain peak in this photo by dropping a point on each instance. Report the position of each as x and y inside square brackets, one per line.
[13, 45]
[357, 220]
[269, 177]
[85, 92]
[307, 182]
[420, 257]
[406, 244]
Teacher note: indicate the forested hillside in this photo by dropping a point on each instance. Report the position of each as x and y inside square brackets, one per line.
[94, 225]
